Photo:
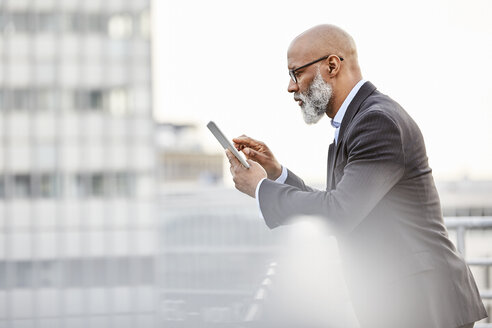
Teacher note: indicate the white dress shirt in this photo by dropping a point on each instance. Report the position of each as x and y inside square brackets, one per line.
[336, 122]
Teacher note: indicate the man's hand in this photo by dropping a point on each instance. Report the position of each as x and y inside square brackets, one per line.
[245, 179]
[259, 152]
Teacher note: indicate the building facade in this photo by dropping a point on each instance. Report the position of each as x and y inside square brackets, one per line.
[77, 164]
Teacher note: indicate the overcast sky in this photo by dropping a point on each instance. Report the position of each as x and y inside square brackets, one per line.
[225, 60]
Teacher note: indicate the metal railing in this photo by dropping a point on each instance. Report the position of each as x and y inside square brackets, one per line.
[460, 224]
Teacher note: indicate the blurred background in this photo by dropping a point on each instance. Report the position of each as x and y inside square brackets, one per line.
[116, 205]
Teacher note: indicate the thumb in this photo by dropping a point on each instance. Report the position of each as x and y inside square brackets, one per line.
[232, 159]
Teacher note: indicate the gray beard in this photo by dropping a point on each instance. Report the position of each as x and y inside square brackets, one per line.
[315, 101]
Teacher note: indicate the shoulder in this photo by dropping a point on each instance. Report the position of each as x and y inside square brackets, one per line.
[375, 131]
[375, 119]
[379, 105]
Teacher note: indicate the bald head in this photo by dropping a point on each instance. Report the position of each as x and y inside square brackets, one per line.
[322, 40]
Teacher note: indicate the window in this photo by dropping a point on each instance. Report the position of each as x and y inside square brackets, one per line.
[47, 22]
[24, 274]
[2, 100]
[85, 22]
[95, 99]
[120, 26]
[22, 99]
[73, 272]
[114, 100]
[117, 101]
[116, 26]
[120, 271]
[98, 185]
[96, 23]
[101, 184]
[77, 22]
[2, 186]
[49, 186]
[47, 273]
[22, 22]
[146, 270]
[27, 99]
[125, 184]
[45, 99]
[4, 21]
[88, 99]
[45, 185]
[22, 186]
[83, 185]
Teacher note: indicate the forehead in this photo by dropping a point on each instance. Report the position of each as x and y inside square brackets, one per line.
[300, 52]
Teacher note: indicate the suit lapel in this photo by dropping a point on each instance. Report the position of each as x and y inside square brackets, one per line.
[352, 109]
[330, 164]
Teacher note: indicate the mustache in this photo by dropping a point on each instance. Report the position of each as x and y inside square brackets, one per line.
[299, 96]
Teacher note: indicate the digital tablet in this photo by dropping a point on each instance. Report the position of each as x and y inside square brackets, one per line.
[226, 143]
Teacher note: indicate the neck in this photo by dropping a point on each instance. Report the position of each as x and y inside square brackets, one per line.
[340, 94]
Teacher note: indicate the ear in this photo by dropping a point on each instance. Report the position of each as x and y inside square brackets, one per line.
[333, 64]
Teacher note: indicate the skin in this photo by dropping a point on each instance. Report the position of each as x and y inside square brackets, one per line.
[343, 75]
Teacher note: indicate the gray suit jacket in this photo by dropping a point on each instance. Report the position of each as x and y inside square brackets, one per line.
[382, 204]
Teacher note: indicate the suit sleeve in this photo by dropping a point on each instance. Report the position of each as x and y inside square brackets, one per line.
[295, 181]
[375, 164]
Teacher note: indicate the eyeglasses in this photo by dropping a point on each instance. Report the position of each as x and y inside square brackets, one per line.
[292, 72]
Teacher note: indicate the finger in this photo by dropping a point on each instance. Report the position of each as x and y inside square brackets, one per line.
[232, 159]
[238, 146]
[246, 141]
[241, 137]
[256, 155]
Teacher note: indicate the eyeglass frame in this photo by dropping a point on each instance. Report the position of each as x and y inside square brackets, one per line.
[292, 72]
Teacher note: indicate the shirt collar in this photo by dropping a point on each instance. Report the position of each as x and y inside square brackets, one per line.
[337, 120]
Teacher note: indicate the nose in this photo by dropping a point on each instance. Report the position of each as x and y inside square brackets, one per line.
[293, 87]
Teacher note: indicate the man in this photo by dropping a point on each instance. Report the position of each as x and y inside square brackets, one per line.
[380, 201]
